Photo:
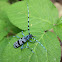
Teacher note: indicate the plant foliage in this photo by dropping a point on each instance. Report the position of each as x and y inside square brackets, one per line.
[43, 16]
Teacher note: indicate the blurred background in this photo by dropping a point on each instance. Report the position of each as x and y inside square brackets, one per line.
[58, 4]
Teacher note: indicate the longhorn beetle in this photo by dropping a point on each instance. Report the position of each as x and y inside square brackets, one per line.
[26, 38]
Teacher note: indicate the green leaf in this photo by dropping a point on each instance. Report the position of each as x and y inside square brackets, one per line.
[6, 26]
[3, 44]
[43, 15]
[4, 0]
[40, 12]
[58, 28]
[50, 42]
[4, 5]
[2, 29]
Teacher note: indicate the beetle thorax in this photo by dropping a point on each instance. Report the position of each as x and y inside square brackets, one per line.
[29, 37]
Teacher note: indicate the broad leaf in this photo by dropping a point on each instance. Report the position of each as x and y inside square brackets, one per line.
[40, 11]
[50, 42]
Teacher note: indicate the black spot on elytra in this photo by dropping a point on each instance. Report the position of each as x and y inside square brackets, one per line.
[16, 47]
[18, 42]
[22, 41]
